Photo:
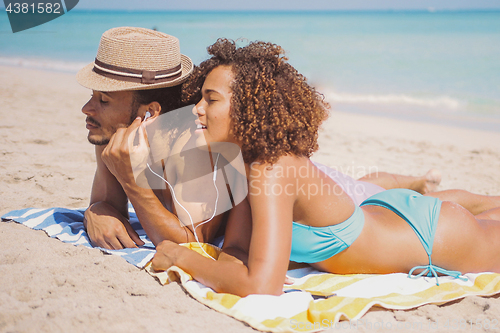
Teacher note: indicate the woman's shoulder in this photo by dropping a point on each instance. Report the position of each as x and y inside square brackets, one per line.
[285, 166]
[285, 160]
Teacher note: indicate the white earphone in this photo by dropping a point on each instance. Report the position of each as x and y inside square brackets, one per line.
[190, 218]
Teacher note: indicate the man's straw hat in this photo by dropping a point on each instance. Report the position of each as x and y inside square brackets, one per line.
[135, 59]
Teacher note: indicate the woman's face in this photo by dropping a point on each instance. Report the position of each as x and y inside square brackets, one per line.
[213, 109]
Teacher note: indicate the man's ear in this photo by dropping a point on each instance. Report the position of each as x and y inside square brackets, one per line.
[154, 109]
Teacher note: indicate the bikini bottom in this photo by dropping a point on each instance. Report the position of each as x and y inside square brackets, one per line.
[422, 214]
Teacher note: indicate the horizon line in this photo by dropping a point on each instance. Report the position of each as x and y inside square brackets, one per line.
[420, 10]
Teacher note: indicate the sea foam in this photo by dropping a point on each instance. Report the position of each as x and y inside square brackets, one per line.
[447, 102]
[45, 64]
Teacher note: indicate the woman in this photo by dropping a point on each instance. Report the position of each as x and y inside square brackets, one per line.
[252, 97]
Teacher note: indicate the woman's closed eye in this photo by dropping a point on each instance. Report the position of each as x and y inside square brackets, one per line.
[211, 96]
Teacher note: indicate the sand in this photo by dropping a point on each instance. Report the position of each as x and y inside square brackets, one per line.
[46, 161]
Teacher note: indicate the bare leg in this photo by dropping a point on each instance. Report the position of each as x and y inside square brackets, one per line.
[423, 184]
[492, 214]
[474, 203]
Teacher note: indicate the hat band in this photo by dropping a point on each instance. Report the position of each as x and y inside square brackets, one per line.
[136, 75]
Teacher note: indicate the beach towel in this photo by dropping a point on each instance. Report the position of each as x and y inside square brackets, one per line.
[310, 306]
[306, 306]
[67, 225]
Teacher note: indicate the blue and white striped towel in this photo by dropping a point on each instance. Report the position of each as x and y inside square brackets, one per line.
[67, 225]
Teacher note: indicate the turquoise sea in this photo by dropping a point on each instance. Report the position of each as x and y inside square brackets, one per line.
[441, 66]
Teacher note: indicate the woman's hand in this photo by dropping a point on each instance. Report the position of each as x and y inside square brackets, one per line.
[166, 255]
[124, 160]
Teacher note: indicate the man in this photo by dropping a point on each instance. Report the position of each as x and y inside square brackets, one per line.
[136, 71]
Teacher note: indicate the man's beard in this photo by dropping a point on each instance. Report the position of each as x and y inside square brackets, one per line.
[97, 142]
[135, 110]
[101, 142]
[104, 141]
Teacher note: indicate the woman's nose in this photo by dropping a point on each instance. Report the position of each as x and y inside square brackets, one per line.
[198, 109]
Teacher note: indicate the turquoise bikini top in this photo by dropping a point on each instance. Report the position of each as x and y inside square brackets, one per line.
[315, 244]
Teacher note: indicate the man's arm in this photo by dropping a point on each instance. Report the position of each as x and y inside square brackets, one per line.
[106, 187]
[106, 219]
[158, 222]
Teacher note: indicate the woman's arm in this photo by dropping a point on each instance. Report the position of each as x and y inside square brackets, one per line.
[263, 270]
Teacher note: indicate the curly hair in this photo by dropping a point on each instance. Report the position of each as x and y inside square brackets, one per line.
[274, 112]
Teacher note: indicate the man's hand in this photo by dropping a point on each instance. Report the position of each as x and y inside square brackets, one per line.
[122, 158]
[108, 228]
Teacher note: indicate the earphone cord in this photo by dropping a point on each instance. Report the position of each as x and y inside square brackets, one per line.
[190, 218]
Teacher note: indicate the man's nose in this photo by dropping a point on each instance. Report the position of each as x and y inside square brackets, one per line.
[88, 108]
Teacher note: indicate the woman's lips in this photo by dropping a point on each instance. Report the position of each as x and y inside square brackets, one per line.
[200, 127]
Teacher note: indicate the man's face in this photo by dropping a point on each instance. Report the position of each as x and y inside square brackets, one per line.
[108, 111]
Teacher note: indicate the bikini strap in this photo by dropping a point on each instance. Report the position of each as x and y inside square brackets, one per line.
[432, 270]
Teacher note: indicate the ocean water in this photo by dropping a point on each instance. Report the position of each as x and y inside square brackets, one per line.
[430, 66]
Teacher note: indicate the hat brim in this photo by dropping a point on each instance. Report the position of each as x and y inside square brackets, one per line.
[90, 79]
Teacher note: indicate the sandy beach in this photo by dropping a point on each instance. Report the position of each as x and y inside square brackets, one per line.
[46, 161]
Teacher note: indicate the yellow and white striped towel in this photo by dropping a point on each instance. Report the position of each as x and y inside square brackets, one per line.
[355, 295]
